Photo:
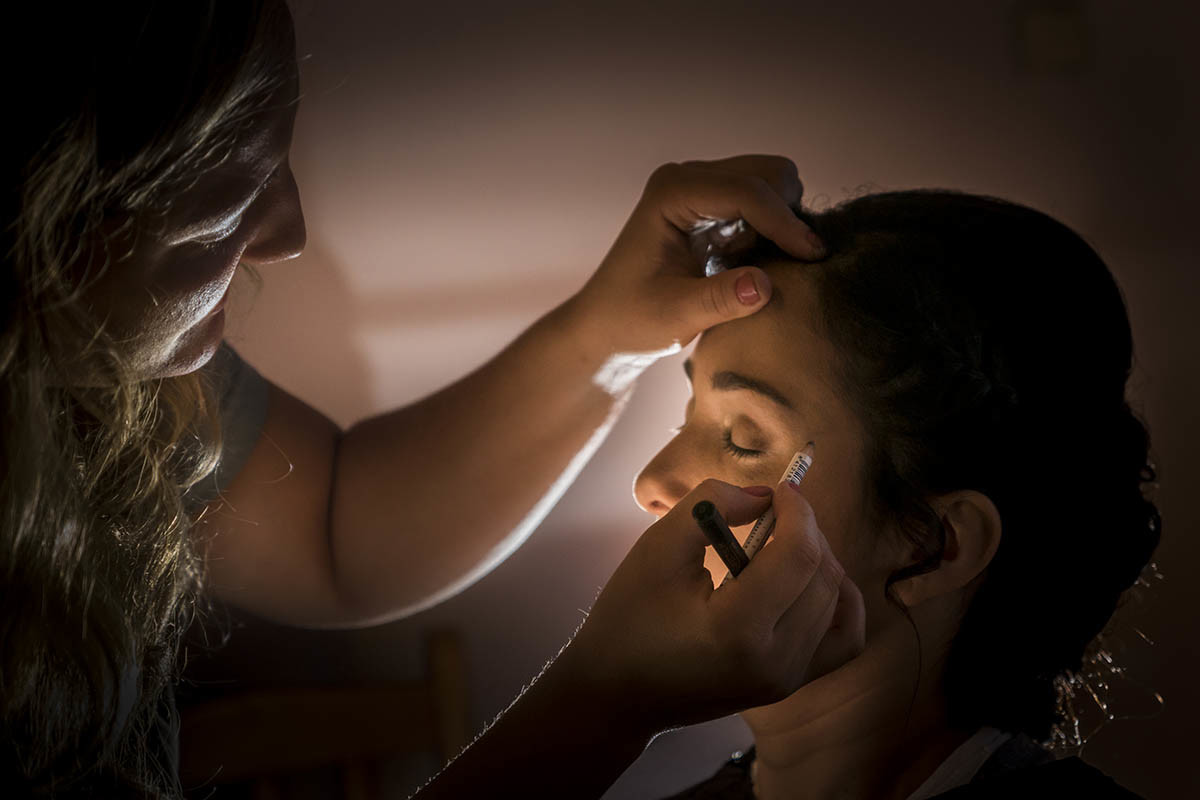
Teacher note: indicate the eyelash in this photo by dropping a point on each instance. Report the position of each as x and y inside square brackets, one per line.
[727, 440]
[738, 452]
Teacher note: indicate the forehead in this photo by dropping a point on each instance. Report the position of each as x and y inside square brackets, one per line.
[781, 344]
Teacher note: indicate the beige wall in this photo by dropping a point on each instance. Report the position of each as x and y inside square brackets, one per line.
[464, 168]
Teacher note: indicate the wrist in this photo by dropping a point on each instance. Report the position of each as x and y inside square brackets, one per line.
[582, 322]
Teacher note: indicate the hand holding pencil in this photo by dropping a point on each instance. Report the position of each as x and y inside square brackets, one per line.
[736, 556]
[661, 637]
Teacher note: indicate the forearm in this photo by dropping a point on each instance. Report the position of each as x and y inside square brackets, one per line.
[429, 497]
[561, 738]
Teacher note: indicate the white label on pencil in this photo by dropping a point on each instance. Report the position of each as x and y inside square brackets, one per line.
[795, 472]
[766, 523]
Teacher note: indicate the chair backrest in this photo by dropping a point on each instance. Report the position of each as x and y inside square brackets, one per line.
[263, 734]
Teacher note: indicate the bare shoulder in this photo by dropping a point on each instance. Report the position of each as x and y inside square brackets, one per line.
[266, 538]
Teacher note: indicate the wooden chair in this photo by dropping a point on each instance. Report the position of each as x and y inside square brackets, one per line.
[260, 736]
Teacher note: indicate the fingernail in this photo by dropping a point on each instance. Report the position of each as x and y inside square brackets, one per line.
[817, 245]
[747, 291]
[757, 491]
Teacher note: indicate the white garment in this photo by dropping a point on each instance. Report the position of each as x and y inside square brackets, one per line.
[961, 765]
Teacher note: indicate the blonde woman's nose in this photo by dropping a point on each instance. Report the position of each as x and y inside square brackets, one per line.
[279, 232]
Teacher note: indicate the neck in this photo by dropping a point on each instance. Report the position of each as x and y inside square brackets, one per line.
[851, 734]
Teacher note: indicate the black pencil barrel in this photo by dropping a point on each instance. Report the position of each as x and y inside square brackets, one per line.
[716, 530]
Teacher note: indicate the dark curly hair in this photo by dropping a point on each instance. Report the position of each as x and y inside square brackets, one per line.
[987, 347]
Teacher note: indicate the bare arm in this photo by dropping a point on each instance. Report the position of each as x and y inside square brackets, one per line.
[407, 508]
[313, 531]
[481, 463]
[662, 648]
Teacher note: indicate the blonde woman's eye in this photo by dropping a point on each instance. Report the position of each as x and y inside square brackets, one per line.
[216, 237]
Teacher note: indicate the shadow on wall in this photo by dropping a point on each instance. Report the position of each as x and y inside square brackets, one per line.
[312, 299]
[309, 331]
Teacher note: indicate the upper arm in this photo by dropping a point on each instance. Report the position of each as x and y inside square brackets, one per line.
[265, 539]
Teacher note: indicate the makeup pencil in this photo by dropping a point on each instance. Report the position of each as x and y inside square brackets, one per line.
[762, 529]
[717, 531]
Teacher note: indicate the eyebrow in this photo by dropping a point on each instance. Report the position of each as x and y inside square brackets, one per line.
[216, 222]
[727, 381]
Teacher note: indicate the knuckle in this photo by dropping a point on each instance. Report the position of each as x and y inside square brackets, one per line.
[759, 189]
[783, 172]
[807, 553]
[663, 174]
[797, 190]
[832, 574]
[714, 299]
[836, 570]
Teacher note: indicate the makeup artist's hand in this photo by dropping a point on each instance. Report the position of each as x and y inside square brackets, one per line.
[666, 645]
[650, 293]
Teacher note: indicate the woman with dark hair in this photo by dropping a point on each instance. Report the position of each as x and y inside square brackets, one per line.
[145, 165]
[960, 363]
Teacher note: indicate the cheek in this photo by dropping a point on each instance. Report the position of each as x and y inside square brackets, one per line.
[193, 278]
[837, 499]
[826, 490]
[869, 556]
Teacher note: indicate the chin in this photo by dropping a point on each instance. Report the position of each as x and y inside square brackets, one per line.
[196, 347]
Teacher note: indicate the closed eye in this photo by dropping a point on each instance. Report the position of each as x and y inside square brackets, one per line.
[738, 452]
[218, 236]
[212, 238]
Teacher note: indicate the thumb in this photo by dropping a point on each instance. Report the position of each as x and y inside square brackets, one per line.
[727, 295]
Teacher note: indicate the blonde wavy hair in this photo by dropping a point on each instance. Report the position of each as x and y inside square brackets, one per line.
[97, 578]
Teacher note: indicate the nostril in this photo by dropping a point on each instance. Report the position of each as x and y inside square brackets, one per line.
[658, 507]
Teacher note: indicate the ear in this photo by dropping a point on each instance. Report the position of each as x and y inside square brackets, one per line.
[972, 525]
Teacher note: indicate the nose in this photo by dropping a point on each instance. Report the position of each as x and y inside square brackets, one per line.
[660, 485]
[280, 232]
